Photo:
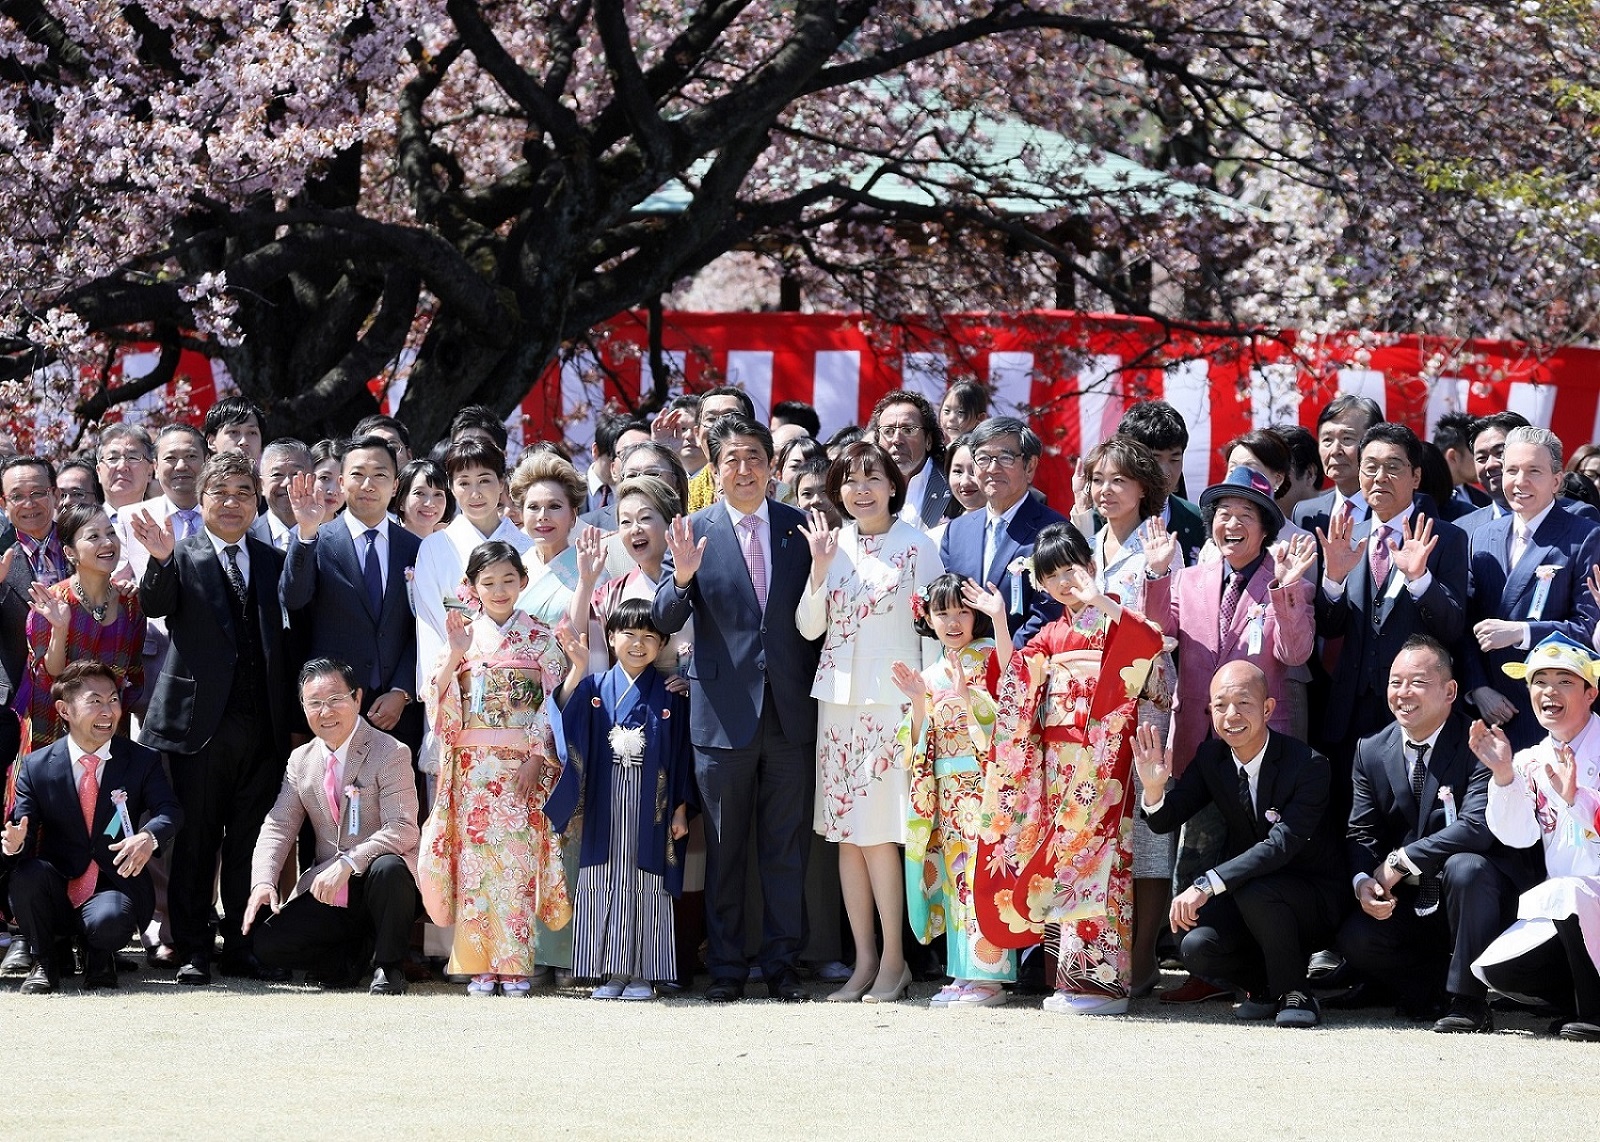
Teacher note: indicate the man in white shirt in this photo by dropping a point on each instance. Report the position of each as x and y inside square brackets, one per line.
[906, 426]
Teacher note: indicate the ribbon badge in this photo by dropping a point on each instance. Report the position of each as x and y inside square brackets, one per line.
[120, 821]
[1273, 816]
[353, 794]
[1447, 798]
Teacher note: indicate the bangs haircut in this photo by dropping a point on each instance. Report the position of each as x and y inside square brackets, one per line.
[633, 614]
[944, 594]
[866, 455]
[1059, 545]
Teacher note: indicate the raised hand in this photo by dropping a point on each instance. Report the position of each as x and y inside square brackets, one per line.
[670, 426]
[13, 836]
[823, 541]
[157, 538]
[1153, 759]
[686, 553]
[458, 631]
[1411, 557]
[1160, 546]
[591, 548]
[907, 680]
[1339, 557]
[1491, 746]
[1495, 707]
[1292, 558]
[986, 600]
[1081, 504]
[574, 645]
[1082, 587]
[52, 608]
[1562, 773]
[306, 501]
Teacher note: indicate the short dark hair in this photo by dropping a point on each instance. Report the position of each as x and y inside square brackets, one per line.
[633, 614]
[929, 415]
[79, 671]
[798, 412]
[1453, 430]
[849, 434]
[1347, 403]
[745, 402]
[736, 424]
[1136, 462]
[1573, 486]
[474, 452]
[944, 594]
[1266, 446]
[1303, 453]
[1270, 524]
[1434, 647]
[227, 464]
[233, 410]
[1388, 432]
[609, 429]
[490, 552]
[78, 462]
[331, 448]
[1155, 424]
[367, 425]
[1436, 479]
[431, 475]
[177, 426]
[477, 416]
[1059, 545]
[28, 460]
[1504, 421]
[865, 455]
[375, 444]
[319, 667]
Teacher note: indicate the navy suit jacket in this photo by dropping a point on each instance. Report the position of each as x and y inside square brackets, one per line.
[962, 551]
[190, 590]
[1362, 672]
[48, 796]
[938, 502]
[323, 577]
[1567, 542]
[739, 649]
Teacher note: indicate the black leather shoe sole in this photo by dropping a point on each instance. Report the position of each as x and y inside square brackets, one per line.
[1581, 1032]
[725, 991]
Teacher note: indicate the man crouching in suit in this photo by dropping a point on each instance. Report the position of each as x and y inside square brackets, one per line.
[358, 901]
[1433, 885]
[79, 857]
[1253, 919]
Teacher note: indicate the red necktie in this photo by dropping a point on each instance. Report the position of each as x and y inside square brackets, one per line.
[330, 786]
[80, 888]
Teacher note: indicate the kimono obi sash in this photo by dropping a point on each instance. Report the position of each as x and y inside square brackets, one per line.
[496, 739]
[1070, 682]
[502, 694]
[949, 766]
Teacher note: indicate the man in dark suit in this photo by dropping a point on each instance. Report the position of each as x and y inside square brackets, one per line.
[1527, 581]
[1488, 441]
[220, 706]
[1160, 428]
[1433, 886]
[739, 568]
[1252, 920]
[1385, 579]
[989, 546]
[74, 838]
[1341, 426]
[349, 576]
[28, 484]
[906, 426]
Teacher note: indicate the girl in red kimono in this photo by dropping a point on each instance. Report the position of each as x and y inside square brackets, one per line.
[1055, 830]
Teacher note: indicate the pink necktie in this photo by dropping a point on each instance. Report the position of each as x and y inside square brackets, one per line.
[330, 786]
[1381, 553]
[754, 559]
[80, 888]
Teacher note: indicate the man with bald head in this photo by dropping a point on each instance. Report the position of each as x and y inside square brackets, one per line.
[1275, 896]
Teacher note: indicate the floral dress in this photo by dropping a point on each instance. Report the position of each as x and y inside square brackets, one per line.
[946, 768]
[1055, 832]
[863, 608]
[490, 863]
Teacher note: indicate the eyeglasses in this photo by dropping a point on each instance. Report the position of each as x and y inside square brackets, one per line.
[318, 705]
[117, 459]
[20, 499]
[1392, 469]
[658, 473]
[223, 497]
[988, 460]
[891, 430]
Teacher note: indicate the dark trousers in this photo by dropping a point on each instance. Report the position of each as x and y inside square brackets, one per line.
[1258, 935]
[408, 732]
[226, 790]
[770, 782]
[1558, 971]
[318, 937]
[1419, 955]
[106, 920]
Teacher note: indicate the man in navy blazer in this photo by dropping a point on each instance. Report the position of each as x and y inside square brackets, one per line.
[1527, 581]
[357, 605]
[752, 719]
[985, 546]
[73, 876]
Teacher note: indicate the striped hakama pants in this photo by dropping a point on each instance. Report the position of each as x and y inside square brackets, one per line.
[623, 923]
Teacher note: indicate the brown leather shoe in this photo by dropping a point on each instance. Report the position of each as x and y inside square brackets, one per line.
[1196, 990]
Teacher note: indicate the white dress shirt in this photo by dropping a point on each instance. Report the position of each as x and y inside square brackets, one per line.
[358, 534]
[763, 534]
[218, 544]
[991, 533]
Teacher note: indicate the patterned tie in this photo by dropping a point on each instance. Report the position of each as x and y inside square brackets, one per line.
[1244, 792]
[1428, 889]
[80, 888]
[330, 786]
[1381, 560]
[1519, 543]
[991, 543]
[1230, 604]
[185, 527]
[372, 573]
[754, 559]
[235, 576]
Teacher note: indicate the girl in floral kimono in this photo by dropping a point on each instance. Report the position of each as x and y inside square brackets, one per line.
[1055, 831]
[490, 863]
[946, 738]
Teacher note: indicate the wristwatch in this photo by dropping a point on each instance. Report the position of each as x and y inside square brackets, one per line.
[1203, 883]
[1395, 862]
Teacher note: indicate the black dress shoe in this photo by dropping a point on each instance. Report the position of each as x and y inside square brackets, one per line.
[1467, 1015]
[99, 971]
[18, 961]
[195, 973]
[42, 980]
[1322, 965]
[1577, 1031]
[725, 989]
[389, 980]
[786, 987]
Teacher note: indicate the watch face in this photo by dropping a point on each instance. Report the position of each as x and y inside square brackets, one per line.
[1203, 883]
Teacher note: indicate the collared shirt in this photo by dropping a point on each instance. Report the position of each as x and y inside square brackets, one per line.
[1248, 571]
[763, 533]
[991, 533]
[76, 752]
[1415, 587]
[338, 754]
[282, 533]
[1252, 773]
[1529, 811]
[218, 544]
[45, 557]
[177, 515]
[1529, 529]
[1358, 505]
[916, 492]
[358, 535]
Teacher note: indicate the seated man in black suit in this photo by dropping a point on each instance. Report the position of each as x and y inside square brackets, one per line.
[1252, 920]
[1418, 840]
[79, 855]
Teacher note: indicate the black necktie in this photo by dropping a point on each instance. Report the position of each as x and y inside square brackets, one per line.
[372, 573]
[1428, 887]
[235, 576]
[1419, 770]
[1244, 792]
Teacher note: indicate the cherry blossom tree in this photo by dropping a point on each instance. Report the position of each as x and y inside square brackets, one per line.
[304, 189]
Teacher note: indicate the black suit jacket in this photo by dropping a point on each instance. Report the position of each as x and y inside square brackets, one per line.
[323, 577]
[962, 552]
[14, 620]
[1289, 829]
[1385, 816]
[48, 796]
[191, 591]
